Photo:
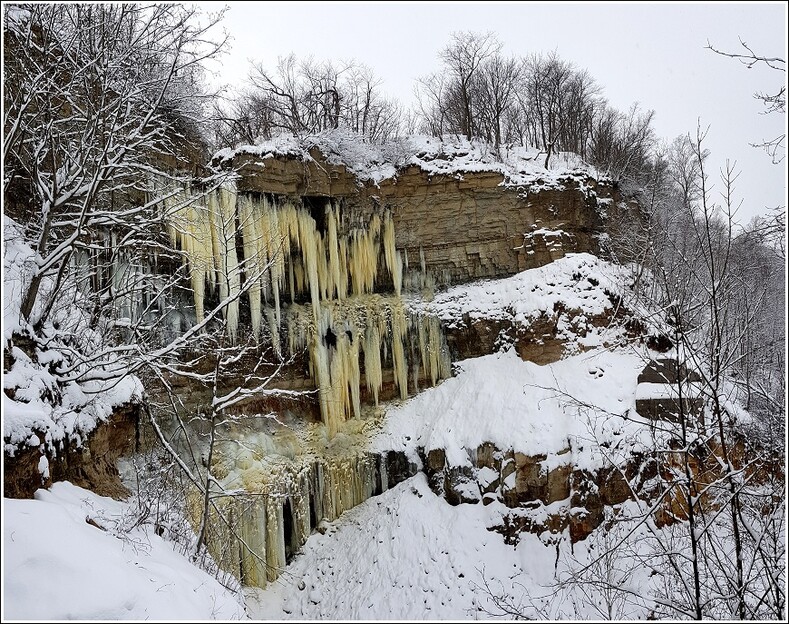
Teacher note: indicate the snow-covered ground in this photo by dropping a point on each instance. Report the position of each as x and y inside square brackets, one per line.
[577, 403]
[408, 554]
[58, 566]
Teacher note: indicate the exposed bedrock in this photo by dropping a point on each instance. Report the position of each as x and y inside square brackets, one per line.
[92, 464]
[463, 227]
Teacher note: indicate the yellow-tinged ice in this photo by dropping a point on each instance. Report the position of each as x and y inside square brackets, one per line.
[337, 266]
[356, 340]
[289, 497]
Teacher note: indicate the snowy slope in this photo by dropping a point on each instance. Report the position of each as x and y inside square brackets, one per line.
[57, 566]
[578, 281]
[407, 554]
[578, 403]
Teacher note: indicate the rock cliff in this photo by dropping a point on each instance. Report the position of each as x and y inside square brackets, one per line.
[459, 224]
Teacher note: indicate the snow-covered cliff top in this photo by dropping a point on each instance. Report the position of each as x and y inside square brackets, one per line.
[450, 155]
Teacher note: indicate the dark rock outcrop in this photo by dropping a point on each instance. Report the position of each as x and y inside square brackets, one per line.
[93, 465]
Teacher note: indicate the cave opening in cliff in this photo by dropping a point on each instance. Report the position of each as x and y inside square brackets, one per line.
[287, 529]
[330, 338]
[316, 206]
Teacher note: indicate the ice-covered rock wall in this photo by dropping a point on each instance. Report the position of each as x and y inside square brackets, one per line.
[322, 266]
[333, 258]
[293, 481]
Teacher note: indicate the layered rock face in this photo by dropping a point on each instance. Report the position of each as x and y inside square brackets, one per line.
[90, 465]
[458, 226]
[417, 229]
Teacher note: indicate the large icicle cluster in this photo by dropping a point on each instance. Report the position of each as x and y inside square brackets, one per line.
[285, 251]
[289, 499]
[203, 226]
[375, 328]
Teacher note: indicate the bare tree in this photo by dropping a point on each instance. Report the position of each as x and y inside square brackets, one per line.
[706, 520]
[703, 283]
[497, 83]
[774, 101]
[431, 93]
[309, 97]
[242, 118]
[622, 144]
[559, 103]
[88, 116]
[453, 100]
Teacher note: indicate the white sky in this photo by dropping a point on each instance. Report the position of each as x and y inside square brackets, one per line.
[650, 53]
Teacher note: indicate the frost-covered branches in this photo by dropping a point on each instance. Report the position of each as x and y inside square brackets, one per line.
[773, 101]
[307, 96]
[96, 101]
[100, 103]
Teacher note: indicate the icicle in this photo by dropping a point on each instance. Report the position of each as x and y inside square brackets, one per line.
[275, 537]
[372, 360]
[227, 261]
[310, 248]
[432, 347]
[394, 261]
[343, 292]
[275, 251]
[252, 565]
[196, 244]
[252, 266]
[319, 355]
[283, 248]
[335, 286]
[399, 362]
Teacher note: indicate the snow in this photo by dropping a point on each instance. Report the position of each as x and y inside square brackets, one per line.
[406, 554]
[35, 398]
[17, 261]
[578, 281]
[409, 555]
[58, 566]
[81, 408]
[666, 391]
[520, 167]
[339, 147]
[577, 403]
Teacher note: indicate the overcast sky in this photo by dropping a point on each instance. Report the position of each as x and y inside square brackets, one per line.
[653, 54]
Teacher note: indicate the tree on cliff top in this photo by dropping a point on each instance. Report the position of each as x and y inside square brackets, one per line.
[307, 96]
